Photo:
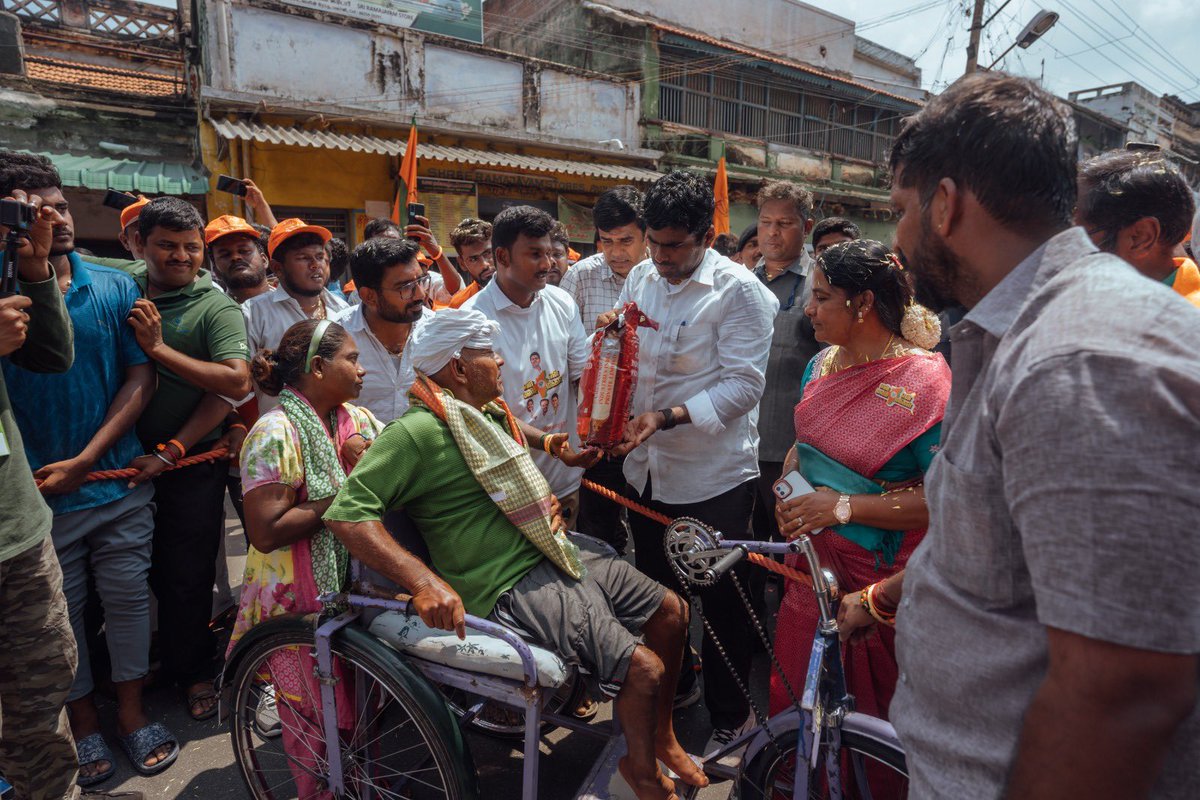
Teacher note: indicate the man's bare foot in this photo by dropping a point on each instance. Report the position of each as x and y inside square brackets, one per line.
[678, 761]
[648, 787]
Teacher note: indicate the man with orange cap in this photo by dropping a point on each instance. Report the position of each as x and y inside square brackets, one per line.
[300, 261]
[237, 257]
[1136, 205]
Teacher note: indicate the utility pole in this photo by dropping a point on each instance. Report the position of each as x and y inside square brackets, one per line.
[976, 30]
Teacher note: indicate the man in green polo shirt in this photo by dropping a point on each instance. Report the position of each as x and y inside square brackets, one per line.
[197, 338]
[488, 566]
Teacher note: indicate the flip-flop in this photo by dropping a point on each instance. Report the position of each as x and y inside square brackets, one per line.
[144, 741]
[92, 749]
[196, 697]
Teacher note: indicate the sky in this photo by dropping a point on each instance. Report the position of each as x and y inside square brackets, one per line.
[1095, 42]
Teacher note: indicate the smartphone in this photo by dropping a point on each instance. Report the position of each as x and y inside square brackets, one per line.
[792, 485]
[118, 200]
[231, 185]
[415, 210]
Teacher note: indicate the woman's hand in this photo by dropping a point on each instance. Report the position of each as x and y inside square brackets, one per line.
[853, 621]
[806, 513]
[353, 449]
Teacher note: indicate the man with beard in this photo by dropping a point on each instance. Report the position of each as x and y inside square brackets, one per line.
[1064, 499]
[560, 259]
[300, 261]
[472, 241]
[784, 220]
[197, 337]
[1138, 206]
[393, 286]
[691, 443]
[102, 529]
[237, 257]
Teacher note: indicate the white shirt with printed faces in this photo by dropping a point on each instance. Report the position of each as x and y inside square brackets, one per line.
[389, 376]
[268, 317]
[545, 349]
[710, 355]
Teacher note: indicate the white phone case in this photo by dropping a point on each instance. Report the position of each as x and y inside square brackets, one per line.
[792, 485]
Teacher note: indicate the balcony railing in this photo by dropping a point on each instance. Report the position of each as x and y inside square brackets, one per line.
[122, 20]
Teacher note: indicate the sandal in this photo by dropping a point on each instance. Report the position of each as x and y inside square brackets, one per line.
[144, 741]
[93, 749]
[586, 709]
[199, 697]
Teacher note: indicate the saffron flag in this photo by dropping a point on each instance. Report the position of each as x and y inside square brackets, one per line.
[408, 173]
[721, 195]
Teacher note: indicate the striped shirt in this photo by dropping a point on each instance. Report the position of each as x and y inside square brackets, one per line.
[594, 286]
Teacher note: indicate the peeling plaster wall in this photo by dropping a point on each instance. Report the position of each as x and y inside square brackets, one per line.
[473, 89]
[591, 110]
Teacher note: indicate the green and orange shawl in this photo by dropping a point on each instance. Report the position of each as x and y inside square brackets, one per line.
[503, 467]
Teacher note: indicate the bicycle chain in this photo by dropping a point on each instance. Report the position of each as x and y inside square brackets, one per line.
[759, 719]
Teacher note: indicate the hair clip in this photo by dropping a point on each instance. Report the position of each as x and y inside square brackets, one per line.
[896, 261]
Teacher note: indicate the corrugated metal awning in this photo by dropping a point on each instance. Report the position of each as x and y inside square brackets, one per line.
[127, 175]
[277, 134]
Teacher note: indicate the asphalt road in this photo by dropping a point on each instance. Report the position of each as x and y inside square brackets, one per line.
[205, 769]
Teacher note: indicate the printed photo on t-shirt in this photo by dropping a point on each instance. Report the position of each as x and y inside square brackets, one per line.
[540, 391]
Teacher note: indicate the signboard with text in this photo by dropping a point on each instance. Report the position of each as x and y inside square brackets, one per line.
[461, 19]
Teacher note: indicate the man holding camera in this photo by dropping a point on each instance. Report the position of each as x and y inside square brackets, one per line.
[37, 649]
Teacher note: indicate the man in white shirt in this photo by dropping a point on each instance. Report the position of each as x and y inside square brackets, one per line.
[393, 286]
[595, 283]
[692, 443]
[541, 338]
[301, 263]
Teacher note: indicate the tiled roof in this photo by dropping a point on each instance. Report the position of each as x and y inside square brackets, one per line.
[109, 79]
[276, 134]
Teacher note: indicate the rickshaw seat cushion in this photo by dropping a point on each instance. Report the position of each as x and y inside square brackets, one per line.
[479, 652]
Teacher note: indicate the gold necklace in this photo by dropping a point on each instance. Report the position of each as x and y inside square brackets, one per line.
[841, 351]
[319, 311]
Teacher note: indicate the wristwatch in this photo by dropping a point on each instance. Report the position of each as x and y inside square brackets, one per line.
[842, 509]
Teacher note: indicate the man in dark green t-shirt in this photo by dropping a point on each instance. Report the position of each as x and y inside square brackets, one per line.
[484, 563]
[197, 338]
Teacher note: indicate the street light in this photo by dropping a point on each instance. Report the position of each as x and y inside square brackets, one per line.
[1036, 28]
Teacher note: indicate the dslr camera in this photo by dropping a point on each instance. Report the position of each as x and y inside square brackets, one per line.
[18, 217]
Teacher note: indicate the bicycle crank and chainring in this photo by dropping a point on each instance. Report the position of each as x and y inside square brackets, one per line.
[692, 549]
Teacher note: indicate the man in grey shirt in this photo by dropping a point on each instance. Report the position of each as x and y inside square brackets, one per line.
[1049, 631]
[784, 220]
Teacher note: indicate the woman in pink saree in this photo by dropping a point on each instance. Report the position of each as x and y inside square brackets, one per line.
[867, 427]
[293, 461]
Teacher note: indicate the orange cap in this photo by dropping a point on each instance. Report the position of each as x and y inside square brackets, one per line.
[225, 225]
[293, 227]
[131, 212]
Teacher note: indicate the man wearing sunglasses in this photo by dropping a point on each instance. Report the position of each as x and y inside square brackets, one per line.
[393, 286]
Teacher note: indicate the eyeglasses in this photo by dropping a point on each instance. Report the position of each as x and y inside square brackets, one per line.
[408, 288]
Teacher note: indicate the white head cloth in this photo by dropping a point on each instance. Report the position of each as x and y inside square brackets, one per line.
[446, 333]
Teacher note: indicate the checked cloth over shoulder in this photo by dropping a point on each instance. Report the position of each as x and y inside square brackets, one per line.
[503, 468]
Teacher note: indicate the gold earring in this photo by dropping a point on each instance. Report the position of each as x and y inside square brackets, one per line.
[860, 318]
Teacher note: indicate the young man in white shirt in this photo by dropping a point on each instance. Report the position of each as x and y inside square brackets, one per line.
[703, 368]
[393, 286]
[301, 263]
[595, 283]
[541, 338]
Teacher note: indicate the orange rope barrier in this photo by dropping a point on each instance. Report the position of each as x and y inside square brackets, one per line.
[129, 472]
[754, 558]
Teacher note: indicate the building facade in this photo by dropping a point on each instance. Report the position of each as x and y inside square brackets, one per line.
[290, 91]
[1164, 121]
[784, 90]
[101, 87]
